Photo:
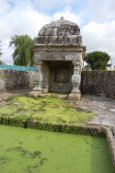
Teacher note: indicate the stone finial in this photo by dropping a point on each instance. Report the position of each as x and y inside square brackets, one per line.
[62, 18]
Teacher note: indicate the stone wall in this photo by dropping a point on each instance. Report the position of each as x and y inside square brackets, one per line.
[98, 83]
[93, 82]
[13, 80]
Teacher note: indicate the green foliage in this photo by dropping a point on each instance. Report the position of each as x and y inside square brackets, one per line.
[97, 60]
[23, 53]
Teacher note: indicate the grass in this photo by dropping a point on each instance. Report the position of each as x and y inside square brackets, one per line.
[50, 110]
[32, 151]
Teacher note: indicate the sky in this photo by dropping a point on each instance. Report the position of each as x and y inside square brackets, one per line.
[96, 19]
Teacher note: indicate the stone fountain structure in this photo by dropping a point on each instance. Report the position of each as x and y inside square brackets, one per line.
[58, 57]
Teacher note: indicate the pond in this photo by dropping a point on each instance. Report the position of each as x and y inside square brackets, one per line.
[32, 151]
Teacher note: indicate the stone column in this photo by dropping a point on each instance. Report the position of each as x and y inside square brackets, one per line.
[76, 79]
[38, 77]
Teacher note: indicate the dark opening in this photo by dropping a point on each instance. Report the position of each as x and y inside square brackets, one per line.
[61, 73]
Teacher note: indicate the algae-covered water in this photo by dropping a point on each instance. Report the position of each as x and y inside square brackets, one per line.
[35, 151]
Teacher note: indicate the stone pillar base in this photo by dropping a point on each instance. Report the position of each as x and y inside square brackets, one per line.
[74, 96]
[35, 93]
[37, 86]
[38, 93]
[36, 89]
[45, 90]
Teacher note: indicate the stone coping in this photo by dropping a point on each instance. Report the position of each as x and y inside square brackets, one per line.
[111, 143]
[59, 45]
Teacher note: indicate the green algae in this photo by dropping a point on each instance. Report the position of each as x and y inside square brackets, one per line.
[33, 151]
[45, 110]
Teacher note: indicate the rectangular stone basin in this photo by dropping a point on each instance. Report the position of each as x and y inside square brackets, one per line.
[32, 151]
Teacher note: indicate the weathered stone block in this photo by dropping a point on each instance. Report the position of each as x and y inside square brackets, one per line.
[74, 96]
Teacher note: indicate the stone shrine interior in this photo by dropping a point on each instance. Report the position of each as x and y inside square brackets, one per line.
[57, 76]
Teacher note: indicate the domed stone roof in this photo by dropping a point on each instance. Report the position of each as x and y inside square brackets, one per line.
[60, 32]
[60, 27]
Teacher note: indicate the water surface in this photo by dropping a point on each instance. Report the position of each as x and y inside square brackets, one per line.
[37, 151]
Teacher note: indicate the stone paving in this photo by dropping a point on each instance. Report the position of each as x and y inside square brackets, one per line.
[103, 107]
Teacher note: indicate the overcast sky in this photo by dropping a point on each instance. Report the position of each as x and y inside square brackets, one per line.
[96, 19]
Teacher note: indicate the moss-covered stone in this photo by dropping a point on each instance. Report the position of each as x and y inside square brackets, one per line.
[24, 111]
